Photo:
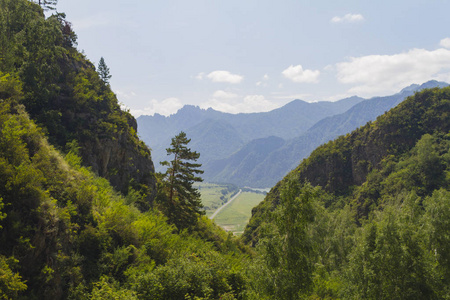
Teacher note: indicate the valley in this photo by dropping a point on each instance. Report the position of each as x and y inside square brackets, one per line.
[228, 206]
[235, 216]
[346, 199]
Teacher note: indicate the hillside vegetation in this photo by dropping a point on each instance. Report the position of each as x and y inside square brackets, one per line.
[366, 215]
[65, 231]
[65, 95]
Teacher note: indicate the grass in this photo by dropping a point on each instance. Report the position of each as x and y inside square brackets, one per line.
[235, 216]
[212, 193]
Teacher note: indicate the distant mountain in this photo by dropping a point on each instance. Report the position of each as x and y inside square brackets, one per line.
[216, 135]
[240, 166]
[209, 134]
[281, 160]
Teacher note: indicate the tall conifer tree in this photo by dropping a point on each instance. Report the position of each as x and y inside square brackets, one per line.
[48, 4]
[182, 203]
[103, 71]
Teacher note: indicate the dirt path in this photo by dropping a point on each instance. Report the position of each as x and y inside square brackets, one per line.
[229, 201]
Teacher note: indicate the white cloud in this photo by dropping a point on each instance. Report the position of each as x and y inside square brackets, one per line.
[164, 107]
[348, 18]
[224, 76]
[266, 77]
[224, 95]
[297, 74]
[383, 74]
[294, 96]
[248, 104]
[336, 97]
[125, 95]
[445, 43]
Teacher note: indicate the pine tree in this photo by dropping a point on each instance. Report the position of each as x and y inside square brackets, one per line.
[181, 201]
[48, 4]
[103, 71]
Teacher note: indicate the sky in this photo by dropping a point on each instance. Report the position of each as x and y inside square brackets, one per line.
[242, 56]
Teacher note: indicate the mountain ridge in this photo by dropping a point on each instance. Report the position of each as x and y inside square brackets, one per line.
[285, 122]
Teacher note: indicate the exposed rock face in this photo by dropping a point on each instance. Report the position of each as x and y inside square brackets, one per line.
[83, 108]
[345, 163]
[120, 161]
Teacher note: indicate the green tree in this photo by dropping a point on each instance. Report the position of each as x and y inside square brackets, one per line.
[11, 283]
[181, 201]
[103, 71]
[287, 248]
[389, 260]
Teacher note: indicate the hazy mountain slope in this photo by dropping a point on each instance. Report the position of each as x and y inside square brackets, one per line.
[286, 122]
[238, 168]
[211, 133]
[277, 163]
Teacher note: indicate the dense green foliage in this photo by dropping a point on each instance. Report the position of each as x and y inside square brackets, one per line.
[382, 232]
[65, 233]
[69, 100]
[364, 217]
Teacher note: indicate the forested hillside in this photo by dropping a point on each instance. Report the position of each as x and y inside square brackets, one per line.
[66, 234]
[77, 216]
[366, 215]
[65, 95]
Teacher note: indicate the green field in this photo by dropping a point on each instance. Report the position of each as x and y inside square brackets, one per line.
[214, 195]
[235, 216]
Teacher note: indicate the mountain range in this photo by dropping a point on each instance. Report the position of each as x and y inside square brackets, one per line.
[258, 149]
[217, 135]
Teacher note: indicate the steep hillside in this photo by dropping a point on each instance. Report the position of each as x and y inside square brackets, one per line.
[65, 95]
[280, 161]
[366, 215]
[345, 163]
[286, 122]
[66, 234]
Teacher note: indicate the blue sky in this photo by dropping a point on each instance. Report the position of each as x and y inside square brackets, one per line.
[257, 55]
